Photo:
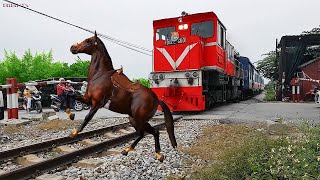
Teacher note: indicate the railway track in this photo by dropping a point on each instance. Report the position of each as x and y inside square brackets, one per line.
[36, 169]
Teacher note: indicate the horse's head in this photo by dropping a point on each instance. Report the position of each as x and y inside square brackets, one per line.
[87, 46]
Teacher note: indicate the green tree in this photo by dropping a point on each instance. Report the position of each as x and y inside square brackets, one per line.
[80, 68]
[267, 66]
[39, 66]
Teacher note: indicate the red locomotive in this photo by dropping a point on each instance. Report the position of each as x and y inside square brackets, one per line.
[194, 66]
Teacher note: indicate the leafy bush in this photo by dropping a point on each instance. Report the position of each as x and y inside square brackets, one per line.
[143, 81]
[270, 92]
[263, 157]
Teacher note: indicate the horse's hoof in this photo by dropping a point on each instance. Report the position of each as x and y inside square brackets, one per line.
[71, 135]
[160, 157]
[71, 116]
[74, 133]
[124, 152]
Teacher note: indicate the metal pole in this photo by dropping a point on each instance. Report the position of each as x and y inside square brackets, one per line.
[9, 96]
[14, 99]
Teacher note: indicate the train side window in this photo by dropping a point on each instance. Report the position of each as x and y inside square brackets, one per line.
[245, 73]
[222, 36]
[203, 29]
[164, 33]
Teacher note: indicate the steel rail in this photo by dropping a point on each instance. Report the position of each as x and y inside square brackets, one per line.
[36, 169]
[8, 154]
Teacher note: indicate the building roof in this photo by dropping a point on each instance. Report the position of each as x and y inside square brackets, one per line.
[309, 62]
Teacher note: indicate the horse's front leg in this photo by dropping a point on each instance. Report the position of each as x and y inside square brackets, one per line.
[78, 97]
[68, 111]
[88, 117]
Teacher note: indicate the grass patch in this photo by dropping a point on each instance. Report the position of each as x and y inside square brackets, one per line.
[217, 139]
[57, 125]
[246, 152]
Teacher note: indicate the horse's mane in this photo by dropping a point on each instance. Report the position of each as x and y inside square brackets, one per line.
[101, 44]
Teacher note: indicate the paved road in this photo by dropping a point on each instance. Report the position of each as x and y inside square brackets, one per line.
[254, 110]
[245, 111]
[101, 114]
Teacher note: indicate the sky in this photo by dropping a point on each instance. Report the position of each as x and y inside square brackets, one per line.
[252, 25]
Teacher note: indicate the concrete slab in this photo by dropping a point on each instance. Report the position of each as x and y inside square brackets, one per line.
[109, 152]
[54, 117]
[205, 117]
[132, 129]
[50, 177]
[29, 160]
[13, 122]
[111, 135]
[88, 163]
[47, 113]
[64, 149]
[88, 142]
[124, 131]
[31, 117]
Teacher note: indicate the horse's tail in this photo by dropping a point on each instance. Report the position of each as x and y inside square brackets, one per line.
[169, 123]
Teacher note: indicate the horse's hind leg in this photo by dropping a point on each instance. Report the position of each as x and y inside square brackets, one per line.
[88, 117]
[133, 145]
[155, 133]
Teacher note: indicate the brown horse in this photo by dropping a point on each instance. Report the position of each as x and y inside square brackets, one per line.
[140, 105]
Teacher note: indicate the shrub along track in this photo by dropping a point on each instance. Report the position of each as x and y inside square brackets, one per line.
[34, 170]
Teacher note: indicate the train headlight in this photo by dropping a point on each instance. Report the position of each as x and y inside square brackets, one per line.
[183, 26]
[195, 74]
[154, 77]
[161, 77]
[187, 74]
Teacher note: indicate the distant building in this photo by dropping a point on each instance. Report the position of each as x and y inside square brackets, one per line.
[312, 69]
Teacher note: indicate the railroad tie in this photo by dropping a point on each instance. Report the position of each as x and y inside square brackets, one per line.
[109, 152]
[88, 163]
[111, 135]
[64, 149]
[88, 142]
[29, 160]
[49, 177]
[123, 131]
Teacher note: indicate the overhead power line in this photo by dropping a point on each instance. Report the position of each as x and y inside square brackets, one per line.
[125, 44]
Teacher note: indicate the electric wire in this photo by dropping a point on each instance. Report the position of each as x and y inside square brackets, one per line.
[109, 38]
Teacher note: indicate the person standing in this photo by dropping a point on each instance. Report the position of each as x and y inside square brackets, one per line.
[60, 92]
[70, 90]
[27, 96]
[83, 88]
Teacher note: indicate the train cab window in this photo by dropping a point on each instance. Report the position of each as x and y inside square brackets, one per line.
[203, 29]
[221, 36]
[164, 33]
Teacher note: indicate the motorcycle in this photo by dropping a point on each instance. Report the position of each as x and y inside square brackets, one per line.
[56, 104]
[35, 102]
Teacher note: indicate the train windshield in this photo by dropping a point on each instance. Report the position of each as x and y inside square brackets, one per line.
[203, 29]
[164, 33]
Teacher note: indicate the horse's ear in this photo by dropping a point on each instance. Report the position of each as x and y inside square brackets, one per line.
[95, 37]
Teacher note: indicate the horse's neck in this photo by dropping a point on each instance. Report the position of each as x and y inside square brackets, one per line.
[100, 62]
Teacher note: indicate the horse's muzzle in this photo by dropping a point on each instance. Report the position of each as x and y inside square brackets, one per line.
[74, 49]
